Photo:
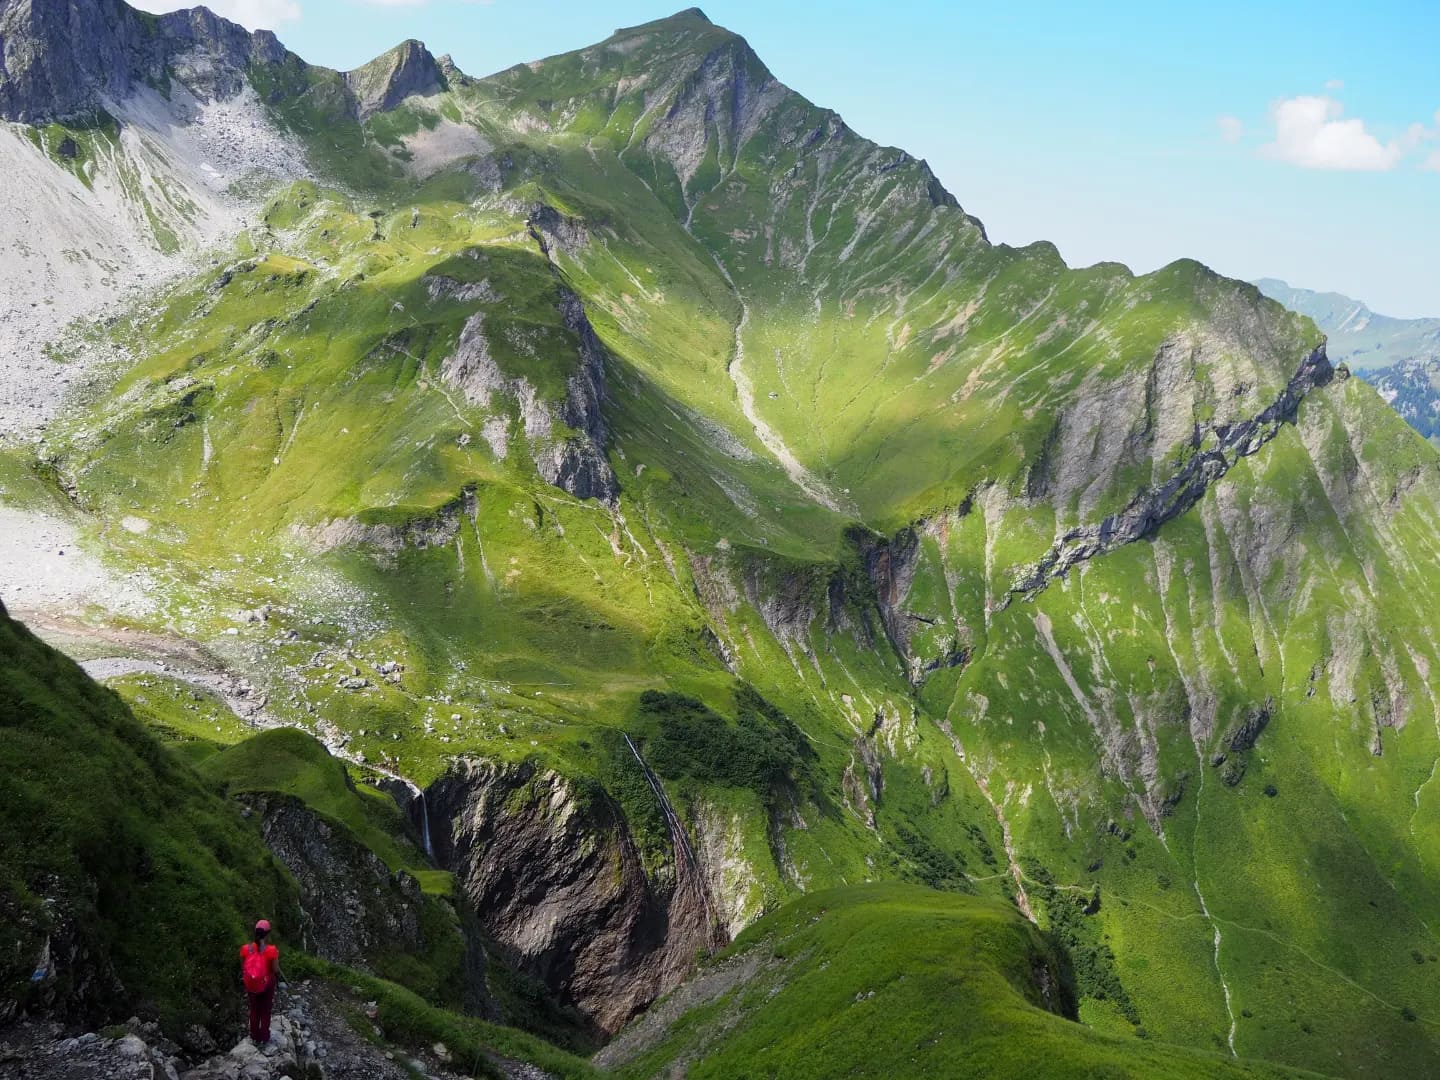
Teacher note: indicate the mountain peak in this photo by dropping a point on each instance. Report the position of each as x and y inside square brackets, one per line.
[63, 58]
[407, 70]
[692, 19]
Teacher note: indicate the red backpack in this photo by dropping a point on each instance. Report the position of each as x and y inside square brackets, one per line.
[255, 968]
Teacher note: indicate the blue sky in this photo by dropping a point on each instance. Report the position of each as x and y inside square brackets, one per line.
[1294, 140]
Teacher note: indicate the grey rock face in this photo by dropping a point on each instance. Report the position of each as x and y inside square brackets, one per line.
[553, 231]
[436, 529]
[407, 70]
[1216, 448]
[890, 565]
[863, 782]
[579, 465]
[554, 879]
[572, 462]
[1246, 734]
[60, 59]
[725, 99]
[354, 905]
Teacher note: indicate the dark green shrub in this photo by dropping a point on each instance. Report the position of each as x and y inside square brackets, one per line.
[1094, 961]
[693, 742]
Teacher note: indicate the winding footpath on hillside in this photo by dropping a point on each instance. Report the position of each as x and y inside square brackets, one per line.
[140, 653]
[318, 1030]
[1204, 907]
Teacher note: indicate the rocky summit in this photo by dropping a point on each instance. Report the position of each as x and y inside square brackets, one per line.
[630, 578]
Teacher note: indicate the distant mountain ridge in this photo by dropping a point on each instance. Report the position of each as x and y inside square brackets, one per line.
[1358, 336]
[1413, 390]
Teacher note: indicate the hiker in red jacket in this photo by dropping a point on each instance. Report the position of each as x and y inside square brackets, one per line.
[260, 972]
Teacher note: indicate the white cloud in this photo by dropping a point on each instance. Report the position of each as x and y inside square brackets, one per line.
[251, 14]
[1432, 163]
[1232, 128]
[1334, 84]
[1309, 132]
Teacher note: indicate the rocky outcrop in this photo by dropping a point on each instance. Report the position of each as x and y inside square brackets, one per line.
[1216, 448]
[353, 906]
[925, 640]
[579, 464]
[314, 1033]
[72, 975]
[408, 70]
[567, 438]
[437, 528]
[866, 594]
[863, 781]
[43, 1051]
[551, 872]
[1248, 731]
[63, 58]
[715, 107]
[554, 231]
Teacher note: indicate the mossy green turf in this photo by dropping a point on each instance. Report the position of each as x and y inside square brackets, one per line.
[116, 856]
[894, 980]
[293, 762]
[925, 377]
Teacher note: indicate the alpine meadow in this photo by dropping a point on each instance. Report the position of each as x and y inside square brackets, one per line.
[632, 581]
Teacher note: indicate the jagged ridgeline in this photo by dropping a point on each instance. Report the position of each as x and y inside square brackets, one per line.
[686, 493]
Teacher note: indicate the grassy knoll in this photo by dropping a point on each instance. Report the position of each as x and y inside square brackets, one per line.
[897, 981]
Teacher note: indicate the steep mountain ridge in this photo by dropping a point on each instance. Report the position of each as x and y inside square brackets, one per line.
[67, 59]
[383, 83]
[630, 372]
[64, 59]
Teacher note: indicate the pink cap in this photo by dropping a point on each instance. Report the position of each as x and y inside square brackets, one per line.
[263, 924]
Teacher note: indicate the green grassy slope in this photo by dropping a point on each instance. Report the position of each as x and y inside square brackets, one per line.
[292, 762]
[889, 980]
[128, 883]
[847, 429]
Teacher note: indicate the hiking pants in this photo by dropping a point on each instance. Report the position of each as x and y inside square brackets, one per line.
[260, 1006]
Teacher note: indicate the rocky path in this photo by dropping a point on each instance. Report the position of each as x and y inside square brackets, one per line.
[319, 1032]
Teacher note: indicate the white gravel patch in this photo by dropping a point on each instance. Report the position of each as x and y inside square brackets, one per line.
[447, 142]
[72, 251]
[116, 667]
[42, 568]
